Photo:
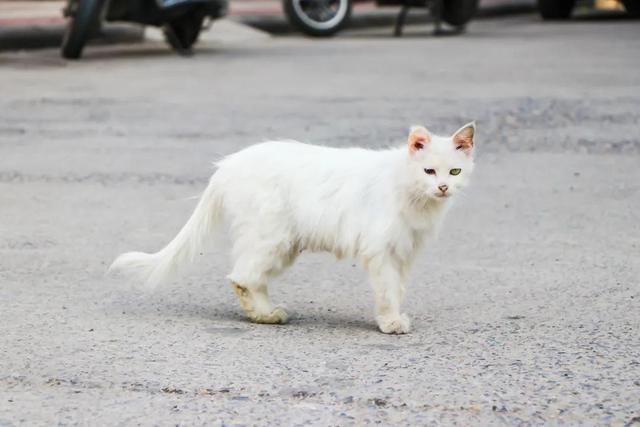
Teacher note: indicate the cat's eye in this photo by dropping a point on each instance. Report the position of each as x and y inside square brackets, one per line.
[455, 172]
[430, 171]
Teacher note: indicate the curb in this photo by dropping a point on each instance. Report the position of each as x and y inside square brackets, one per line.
[47, 36]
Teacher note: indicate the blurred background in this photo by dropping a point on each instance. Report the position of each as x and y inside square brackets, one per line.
[41, 23]
[524, 311]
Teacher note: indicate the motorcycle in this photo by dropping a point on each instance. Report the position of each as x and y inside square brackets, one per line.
[181, 20]
[324, 18]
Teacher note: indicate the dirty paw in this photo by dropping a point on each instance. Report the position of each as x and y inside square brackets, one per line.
[399, 324]
[277, 316]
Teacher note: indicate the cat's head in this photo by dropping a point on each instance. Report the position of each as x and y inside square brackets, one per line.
[440, 166]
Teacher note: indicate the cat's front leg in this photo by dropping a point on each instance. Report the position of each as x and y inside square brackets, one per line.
[389, 288]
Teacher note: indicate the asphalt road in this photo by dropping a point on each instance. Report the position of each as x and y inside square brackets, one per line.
[525, 312]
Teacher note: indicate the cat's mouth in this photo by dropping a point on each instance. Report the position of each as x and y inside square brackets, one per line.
[442, 195]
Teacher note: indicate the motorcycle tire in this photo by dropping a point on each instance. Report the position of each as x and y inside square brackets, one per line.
[304, 17]
[555, 9]
[83, 21]
[182, 33]
[458, 12]
[632, 7]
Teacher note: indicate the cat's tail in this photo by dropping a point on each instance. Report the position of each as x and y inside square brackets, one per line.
[154, 268]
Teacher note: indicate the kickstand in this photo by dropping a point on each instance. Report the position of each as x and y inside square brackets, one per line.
[175, 41]
[435, 8]
[400, 21]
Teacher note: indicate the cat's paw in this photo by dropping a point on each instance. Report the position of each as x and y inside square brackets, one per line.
[399, 324]
[277, 316]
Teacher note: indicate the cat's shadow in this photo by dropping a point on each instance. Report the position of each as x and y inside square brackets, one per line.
[226, 316]
[310, 322]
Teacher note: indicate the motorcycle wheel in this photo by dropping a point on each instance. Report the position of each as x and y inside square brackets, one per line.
[319, 18]
[458, 12]
[633, 7]
[555, 9]
[82, 22]
[182, 33]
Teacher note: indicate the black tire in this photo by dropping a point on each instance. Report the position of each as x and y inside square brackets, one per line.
[633, 7]
[555, 9]
[302, 16]
[458, 12]
[182, 33]
[83, 21]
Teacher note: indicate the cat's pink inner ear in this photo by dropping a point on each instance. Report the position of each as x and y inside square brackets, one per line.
[463, 138]
[418, 138]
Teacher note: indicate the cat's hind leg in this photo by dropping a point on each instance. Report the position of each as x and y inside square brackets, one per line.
[254, 266]
[257, 305]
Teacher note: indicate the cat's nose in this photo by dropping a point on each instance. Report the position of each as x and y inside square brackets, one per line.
[443, 188]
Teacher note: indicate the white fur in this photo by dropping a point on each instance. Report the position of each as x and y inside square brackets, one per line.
[281, 198]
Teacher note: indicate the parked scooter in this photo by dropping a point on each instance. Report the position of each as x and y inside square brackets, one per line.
[326, 17]
[181, 20]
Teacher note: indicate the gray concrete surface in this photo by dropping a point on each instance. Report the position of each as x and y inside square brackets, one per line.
[526, 311]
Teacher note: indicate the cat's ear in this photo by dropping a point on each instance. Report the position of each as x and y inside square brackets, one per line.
[463, 137]
[419, 136]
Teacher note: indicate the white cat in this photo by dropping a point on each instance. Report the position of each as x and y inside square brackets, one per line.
[280, 198]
